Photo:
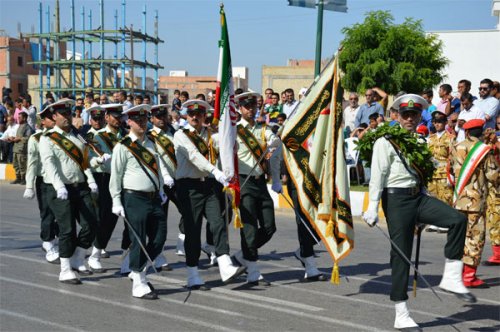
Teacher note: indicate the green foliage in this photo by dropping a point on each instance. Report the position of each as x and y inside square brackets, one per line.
[413, 149]
[392, 57]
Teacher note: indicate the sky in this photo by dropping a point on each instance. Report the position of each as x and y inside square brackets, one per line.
[261, 32]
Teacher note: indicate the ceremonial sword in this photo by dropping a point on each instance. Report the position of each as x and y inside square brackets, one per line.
[402, 255]
[417, 257]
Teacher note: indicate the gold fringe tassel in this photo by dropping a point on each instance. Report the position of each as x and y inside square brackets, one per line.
[329, 228]
[335, 275]
[236, 211]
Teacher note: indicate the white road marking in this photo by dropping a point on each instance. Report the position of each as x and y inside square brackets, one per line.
[146, 310]
[38, 320]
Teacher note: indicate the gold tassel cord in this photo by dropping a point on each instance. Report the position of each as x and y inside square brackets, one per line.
[335, 275]
[329, 227]
[236, 211]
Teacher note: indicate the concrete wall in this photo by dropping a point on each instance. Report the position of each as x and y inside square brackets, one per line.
[473, 55]
[281, 78]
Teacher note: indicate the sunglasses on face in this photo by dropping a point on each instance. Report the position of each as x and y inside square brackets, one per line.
[482, 88]
[138, 118]
[193, 113]
[439, 121]
[64, 112]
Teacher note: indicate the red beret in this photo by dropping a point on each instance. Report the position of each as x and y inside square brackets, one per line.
[421, 129]
[474, 123]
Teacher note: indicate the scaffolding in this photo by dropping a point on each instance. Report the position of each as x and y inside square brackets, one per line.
[108, 68]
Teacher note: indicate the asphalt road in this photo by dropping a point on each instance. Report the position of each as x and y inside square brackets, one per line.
[32, 299]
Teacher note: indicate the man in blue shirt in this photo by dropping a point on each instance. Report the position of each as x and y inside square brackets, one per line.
[462, 87]
[367, 109]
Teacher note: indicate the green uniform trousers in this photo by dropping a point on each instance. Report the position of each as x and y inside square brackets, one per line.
[257, 215]
[78, 207]
[48, 227]
[402, 213]
[202, 199]
[146, 217]
[106, 221]
[19, 161]
[306, 241]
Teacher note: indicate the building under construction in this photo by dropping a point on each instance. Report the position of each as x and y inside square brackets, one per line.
[105, 60]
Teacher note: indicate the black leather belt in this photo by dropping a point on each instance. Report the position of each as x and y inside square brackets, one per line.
[147, 194]
[403, 191]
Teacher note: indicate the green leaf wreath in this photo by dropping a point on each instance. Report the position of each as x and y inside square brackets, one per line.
[415, 150]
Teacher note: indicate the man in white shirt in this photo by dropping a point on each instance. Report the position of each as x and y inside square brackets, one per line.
[487, 103]
[468, 112]
[351, 111]
[290, 102]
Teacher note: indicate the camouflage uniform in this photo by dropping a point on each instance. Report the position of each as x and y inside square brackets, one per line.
[493, 200]
[472, 200]
[440, 149]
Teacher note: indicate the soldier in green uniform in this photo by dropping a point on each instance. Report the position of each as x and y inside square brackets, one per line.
[474, 166]
[20, 148]
[136, 190]
[34, 179]
[199, 190]
[104, 141]
[397, 184]
[256, 205]
[65, 161]
[162, 134]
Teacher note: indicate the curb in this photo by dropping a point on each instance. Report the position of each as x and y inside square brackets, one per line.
[7, 172]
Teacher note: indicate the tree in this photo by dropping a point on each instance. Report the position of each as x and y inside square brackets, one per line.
[392, 57]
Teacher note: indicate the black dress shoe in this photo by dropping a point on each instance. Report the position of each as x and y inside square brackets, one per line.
[199, 287]
[84, 272]
[411, 329]
[164, 268]
[105, 255]
[71, 281]
[319, 277]
[488, 263]
[260, 282]
[150, 285]
[101, 270]
[149, 296]
[240, 271]
[466, 297]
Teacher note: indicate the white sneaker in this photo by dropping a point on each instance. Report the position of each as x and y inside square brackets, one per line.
[403, 319]
[67, 275]
[95, 261]
[180, 245]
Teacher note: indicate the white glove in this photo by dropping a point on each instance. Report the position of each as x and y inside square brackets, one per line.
[370, 216]
[93, 188]
[167, 179]
[220, 177]
[62, 193]
[29, 194]
[119, 211]
[277, 187]
[104, 158]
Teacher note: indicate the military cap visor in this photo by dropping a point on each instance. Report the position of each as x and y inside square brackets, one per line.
[142, 109]
[159, 110]
[61, 106]
[247, 98]
[113, 109]
[410, 103]
[196, 105]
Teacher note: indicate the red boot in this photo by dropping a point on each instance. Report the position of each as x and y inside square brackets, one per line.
[470, 279]
[495, 258]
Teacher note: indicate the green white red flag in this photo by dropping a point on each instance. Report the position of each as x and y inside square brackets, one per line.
[225, 115]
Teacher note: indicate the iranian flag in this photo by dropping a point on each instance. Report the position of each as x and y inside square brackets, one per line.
[225, 115]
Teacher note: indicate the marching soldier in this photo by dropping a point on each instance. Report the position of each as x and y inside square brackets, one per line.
[136, 190]
[104, 141]
[398, 185]
[199, 188]
[162, 135]
[34, 179]
[256, 205]
[474, 166]
[65, 161]
[439, 145]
